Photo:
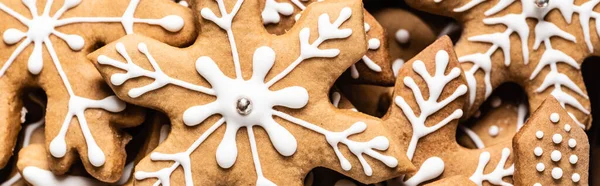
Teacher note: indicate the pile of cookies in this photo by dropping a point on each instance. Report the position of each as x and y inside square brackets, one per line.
[297, 92]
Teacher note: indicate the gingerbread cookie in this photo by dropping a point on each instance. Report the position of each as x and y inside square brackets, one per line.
[45, 44]
[439, 96]
[551, 149]
[373, 68]
[498, 45]
[209, 104]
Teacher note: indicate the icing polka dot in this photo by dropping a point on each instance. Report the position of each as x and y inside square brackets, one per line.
[554, 117]
[539, 134]
[575, 177]
[567, 127]
[403, 36]
[494, 130]
[556, 138]
[538, 151]
[537, 184]
[496, 102]
[572, 143]
[573, 159]
[555, 155]
[540, 167]
[557, 173]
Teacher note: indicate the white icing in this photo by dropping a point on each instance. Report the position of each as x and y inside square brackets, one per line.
[537, 184]
[164, 132]
[259, 98]
[557, 173]
[432, 168]
[539, 134]
[521, 114]
[39, 29]
[538, 151]
[540, 167]
[436, 85]
[126, 174]
[494, 177]
[373, 44]
[496, 102]
[270, 13]
[494, 130]
[572, 143]
[183, 3]
[398, 63]
[40, 177]
[23, 114]
[567, 128]
[544, 30]
[554, 117]
[12, 180]
[473, 136]
[556, 138]
[575, 177]
[402, 36]
[573, 159]
[555, 155]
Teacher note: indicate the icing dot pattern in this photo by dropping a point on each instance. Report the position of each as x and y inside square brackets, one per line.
[556, 154]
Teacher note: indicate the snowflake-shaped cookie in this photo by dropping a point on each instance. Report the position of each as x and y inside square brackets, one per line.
[238, 80]
[78, 101]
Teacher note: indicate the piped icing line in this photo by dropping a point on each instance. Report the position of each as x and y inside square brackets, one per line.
[436, 85]
[270, 15]
[260, 99]
[40, 27]
[473, 136]
[494, 177]
[544, 30]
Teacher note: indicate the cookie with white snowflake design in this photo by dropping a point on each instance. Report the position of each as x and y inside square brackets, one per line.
[540, 46]
[45, 43]
[405, 38]
[373, 68]
[249, 107]
[432, 97]
[551, 149]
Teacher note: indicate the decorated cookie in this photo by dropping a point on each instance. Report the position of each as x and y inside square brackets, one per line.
[500, 44]
[45, 43]
[405, 38]
[433, 104]
[373, 68]
[551, 149]
[249, 107]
